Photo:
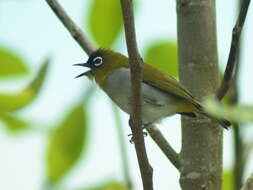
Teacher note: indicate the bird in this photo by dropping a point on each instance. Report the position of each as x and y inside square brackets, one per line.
[162, 95]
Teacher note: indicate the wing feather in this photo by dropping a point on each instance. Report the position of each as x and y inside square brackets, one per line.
[167, 84]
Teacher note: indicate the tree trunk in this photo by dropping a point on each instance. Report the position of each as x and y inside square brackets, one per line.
[201, 154]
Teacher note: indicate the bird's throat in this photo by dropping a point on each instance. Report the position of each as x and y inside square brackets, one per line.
[100, 77]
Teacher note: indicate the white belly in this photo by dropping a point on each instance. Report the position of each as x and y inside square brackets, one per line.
[155, 103]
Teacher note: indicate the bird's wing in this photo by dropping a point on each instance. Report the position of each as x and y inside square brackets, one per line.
[167, 84]
[151, 101]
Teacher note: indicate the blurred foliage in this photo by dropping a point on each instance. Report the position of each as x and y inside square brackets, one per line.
[105, 21]
[13, 123]
[67, 143]
[227, 180]
[11, 64]
[15, 101]
[112, 185]
[163, 55]
[232, 113]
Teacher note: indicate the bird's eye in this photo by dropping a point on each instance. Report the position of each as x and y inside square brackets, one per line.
[97, 61]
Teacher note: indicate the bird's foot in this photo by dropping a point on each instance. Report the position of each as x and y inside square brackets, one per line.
[132, 137]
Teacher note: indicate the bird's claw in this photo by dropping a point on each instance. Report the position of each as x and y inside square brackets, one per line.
[132, 137]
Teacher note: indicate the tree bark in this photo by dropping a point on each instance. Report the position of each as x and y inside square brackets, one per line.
[135, 121]
[201, 154]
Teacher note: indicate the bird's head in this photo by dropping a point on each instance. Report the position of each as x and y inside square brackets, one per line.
[103, 60]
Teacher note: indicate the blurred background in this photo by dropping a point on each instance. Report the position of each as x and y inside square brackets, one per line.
[57, 132]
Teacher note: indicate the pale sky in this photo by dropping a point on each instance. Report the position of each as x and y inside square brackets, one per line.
[31, 29]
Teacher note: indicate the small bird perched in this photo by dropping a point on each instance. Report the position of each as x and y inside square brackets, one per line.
[162, 95]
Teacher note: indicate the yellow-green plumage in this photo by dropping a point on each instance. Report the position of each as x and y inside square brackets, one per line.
[160, 91]
[151, 75]
[168, 84]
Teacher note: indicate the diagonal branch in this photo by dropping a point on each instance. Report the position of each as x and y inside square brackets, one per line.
[74, 30]
[249, 183]
[136, 79]
[231, 64]
[163, 144]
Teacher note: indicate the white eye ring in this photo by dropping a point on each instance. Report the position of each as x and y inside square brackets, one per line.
[98, 61]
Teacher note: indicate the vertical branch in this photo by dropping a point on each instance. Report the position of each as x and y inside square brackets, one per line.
[238, 169]
[230, 79]
[238, 145]
[201, 154]
[136, 79]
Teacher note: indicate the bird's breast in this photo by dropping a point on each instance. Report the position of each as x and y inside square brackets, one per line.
[155, 103]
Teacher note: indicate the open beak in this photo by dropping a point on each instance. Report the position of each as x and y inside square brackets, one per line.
[83, 65]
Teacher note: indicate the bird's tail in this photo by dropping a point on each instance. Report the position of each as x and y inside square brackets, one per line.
[223, 122]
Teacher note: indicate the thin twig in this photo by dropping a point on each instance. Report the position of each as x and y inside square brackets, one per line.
[136, 79]
[239, 163]
[122, 145]
[163, 144]
[233, 96]
[74, 30]
[233, 51]
[249, 183]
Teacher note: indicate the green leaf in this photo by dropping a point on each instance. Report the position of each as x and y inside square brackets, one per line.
[232, 113]
[16, 101]
[112, 185]
[13, 123]
[11, 64]
[227, 180]
[66, 144]
[163, 55]
[105, 21]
